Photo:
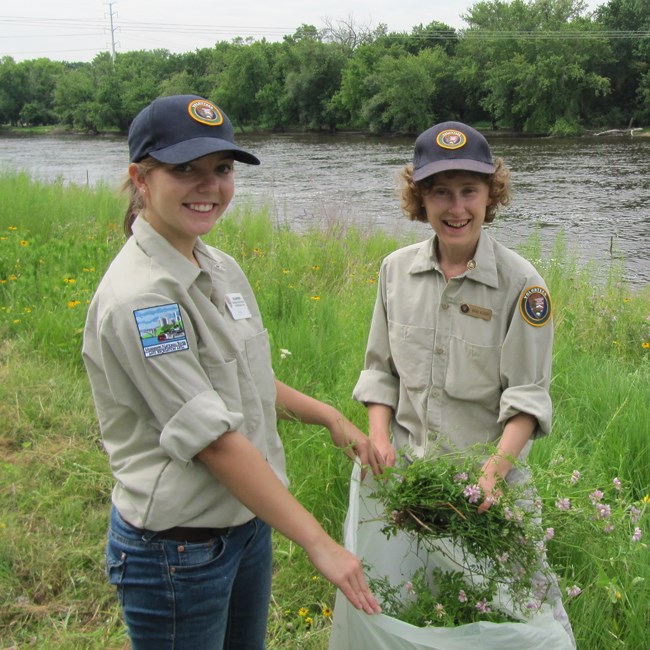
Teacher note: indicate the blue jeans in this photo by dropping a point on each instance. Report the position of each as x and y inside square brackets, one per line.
[211, 595]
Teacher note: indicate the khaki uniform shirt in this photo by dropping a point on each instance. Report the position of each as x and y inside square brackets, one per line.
[455, 360]
[172, 367]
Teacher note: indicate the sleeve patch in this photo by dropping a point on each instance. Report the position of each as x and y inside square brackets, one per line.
[161, 329]
[535, 306]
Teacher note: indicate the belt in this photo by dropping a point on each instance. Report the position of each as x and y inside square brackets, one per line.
[187, 534]
[182, 533]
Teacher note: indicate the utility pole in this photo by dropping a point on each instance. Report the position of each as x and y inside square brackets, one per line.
[113, 29]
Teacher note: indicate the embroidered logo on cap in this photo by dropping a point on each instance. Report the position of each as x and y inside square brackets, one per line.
[205, 112]
[535, 306]
[161, 329]
[451, 139]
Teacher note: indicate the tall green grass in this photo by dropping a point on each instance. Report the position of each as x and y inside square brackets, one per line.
[316, 292]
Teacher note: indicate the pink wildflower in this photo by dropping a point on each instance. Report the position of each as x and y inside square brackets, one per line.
[563, 504]
[483, 606]
[575, 477]
[574, 591]
[461, 476]
[604, 510]
[608, 528]
[637, 535]
[596, 496]
[550, 534]
[462, 596]
[635, 514]
[617, 484]
[473, 493]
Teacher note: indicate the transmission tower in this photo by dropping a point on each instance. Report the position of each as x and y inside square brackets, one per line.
[113, 28]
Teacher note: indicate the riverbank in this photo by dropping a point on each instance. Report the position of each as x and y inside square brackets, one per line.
[316, 291]
[54, 130]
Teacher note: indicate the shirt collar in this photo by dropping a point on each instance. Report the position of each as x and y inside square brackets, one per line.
[484, 262]
[160, 250]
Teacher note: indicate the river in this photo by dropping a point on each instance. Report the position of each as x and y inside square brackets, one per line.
[595, 189]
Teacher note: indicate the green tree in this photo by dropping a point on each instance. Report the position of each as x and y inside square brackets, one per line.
[627, 24]
[40, 76]
[12, 90]
[411, 92]
[247, 71]
[535, 63]
[312, 74]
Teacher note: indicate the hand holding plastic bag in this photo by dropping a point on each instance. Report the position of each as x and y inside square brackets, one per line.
[396, 559]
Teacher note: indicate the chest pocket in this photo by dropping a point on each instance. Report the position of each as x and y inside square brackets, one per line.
[258, 354]
[225, 381]
[474, 373]
[412, 352]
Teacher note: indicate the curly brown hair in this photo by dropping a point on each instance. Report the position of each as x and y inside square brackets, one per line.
[136, 202]
[411, 192]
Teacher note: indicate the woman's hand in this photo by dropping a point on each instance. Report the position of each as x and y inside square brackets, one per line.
[344, 570]
[355, 444]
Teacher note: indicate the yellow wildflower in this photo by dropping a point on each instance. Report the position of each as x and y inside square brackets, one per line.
[315, 297]
[327, 612]
[69, 280]
[645, 345]
[13, 277]
[315, 267]
[16, 321]
[646, 499]
[88, 269]
[27, 310]
[73, 303]
[12, 228]
[24, 242]
[4, 238]
[303, 611]
[309, 620]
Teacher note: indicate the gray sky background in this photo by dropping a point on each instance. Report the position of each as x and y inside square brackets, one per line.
[76, 30]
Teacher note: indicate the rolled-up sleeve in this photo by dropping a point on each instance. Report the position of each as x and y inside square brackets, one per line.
[526, 362]
[378, 382]
[171, 390]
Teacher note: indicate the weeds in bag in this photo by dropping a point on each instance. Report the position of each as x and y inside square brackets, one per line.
[496, 565]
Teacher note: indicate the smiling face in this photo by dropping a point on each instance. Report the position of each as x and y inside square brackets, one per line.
[455, 204]
[183, 202]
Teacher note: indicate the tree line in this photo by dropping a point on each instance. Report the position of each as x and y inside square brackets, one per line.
[531, 66]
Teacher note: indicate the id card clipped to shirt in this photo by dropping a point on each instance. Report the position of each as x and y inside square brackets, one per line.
[237, 306]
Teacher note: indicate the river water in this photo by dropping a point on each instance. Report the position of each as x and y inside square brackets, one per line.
[594, 189]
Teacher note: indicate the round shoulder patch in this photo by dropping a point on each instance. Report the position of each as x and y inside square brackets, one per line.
[205, 112]
[535, 306]
[451, 139]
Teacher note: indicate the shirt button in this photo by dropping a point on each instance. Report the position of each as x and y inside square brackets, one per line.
[435, 393]
[439, 350]
[181, 549]
[445, 305]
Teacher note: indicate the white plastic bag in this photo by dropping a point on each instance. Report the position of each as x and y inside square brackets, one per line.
[396, 559]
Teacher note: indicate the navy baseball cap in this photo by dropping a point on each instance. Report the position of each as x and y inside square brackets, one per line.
[181, 128]
[451, 145]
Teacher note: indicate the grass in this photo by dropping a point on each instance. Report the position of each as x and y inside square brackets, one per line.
[316, 292]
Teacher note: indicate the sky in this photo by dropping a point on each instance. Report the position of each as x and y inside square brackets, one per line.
[77, 30]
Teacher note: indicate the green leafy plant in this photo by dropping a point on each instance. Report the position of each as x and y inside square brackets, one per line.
[495, 563]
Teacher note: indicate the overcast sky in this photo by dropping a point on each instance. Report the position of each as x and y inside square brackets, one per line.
[76, 30]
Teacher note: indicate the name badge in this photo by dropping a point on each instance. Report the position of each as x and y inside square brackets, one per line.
[237, 306]
[476, 312]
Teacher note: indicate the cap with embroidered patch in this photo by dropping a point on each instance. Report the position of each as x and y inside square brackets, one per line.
[451, 145]
[180, 128]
